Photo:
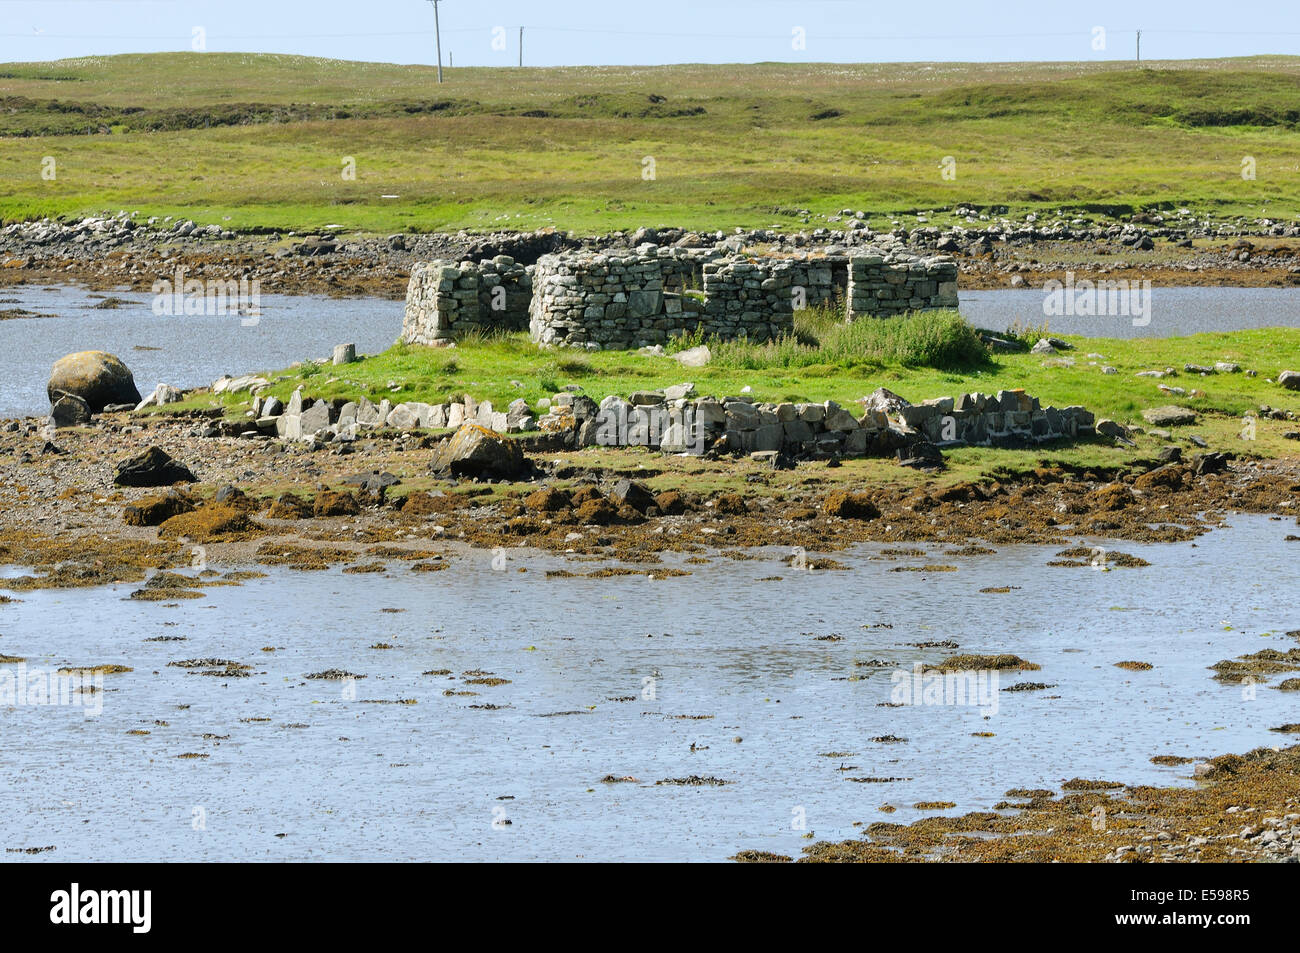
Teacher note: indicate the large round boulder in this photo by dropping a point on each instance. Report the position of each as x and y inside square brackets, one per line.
[97, 378]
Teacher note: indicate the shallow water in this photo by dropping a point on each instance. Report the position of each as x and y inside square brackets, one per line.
[343, 779]
[184, 351]
[1175, 312]
[193, 351]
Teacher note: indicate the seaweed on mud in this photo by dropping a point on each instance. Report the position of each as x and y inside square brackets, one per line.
[981, 663]
[694, 780]
[1264, 663]
[761, 857]
[1083, 784]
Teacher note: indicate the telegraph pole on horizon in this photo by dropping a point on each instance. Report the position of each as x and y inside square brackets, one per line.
[437, 29]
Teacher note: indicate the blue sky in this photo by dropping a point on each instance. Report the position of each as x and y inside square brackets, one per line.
[586, 32]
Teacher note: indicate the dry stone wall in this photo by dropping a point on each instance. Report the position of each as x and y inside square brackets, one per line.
[676, 420]
[644, 298]
[446, 300]
[881, 288]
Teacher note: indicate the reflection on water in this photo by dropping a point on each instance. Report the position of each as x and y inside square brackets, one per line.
[620, 677]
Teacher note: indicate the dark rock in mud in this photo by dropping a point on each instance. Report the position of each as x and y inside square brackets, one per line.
[153, 467]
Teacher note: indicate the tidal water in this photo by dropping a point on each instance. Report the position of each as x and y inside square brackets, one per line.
[724, 674]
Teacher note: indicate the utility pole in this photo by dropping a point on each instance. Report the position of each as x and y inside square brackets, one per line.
[437, 27]
[521, 46]
[1139, 59]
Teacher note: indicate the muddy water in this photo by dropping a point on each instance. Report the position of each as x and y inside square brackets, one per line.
[738, 671]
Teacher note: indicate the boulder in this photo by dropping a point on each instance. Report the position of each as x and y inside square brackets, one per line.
[921, 456]
[633, 494]
[344, 354]
[1110, 428]
[885, 401]
[1289, 379]
[475, 451]
[314, 419]
[403, 417]
[234, 385]
[97, 378]
[153, 467]
[156, 510]
[162, 394]
[1169, 416]
[69, 411]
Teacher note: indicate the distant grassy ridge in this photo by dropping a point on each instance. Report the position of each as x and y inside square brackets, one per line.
[259, 140]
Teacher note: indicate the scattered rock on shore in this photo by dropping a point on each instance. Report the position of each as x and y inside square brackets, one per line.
[153, 467]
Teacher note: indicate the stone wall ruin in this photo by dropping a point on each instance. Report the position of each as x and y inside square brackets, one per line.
[624, 300]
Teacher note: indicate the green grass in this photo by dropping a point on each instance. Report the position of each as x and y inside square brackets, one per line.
[507, 367]
[258, 141]
[822, 338]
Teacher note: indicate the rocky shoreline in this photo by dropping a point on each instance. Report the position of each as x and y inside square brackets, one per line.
[1245, 808]
[992, 251]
